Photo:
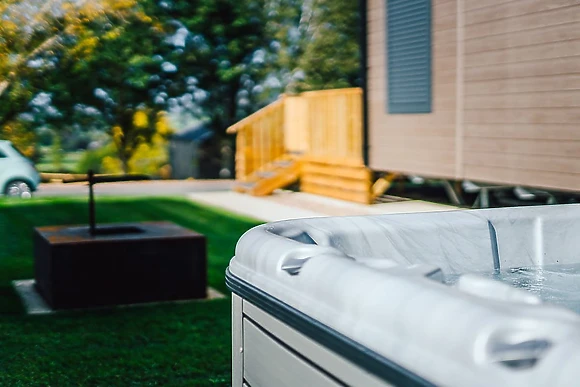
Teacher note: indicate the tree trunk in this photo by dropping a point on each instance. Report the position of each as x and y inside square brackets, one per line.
[125, 165]
[126, 146]
[124, 157]
[231, 108]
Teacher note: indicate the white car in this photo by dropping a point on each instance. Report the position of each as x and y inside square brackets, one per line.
[18, 176]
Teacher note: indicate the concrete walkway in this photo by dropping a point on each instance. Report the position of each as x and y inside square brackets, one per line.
[279, 206]
[294, 205]
[135, 188]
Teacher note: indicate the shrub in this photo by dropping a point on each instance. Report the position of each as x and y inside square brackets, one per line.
[93, 159]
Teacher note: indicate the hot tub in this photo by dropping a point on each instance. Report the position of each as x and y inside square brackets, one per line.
[461, 298]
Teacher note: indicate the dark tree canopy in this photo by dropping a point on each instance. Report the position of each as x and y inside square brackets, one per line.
[118, 65]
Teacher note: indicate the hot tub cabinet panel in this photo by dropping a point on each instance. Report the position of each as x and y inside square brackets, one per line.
[270, 352]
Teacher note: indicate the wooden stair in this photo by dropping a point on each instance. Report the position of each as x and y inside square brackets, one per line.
[339, 179]
[278, 174]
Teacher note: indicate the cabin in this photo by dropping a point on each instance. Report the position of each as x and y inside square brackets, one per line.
[486, 91]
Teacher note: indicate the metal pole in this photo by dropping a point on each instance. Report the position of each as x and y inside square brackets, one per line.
[92, 225]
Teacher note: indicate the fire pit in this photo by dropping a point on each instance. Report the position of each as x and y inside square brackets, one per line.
[115, 264]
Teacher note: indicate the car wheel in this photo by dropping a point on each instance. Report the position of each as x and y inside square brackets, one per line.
[19, 189]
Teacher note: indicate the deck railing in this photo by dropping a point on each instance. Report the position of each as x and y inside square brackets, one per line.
[322, 126]
[335, 125]
[260, 139]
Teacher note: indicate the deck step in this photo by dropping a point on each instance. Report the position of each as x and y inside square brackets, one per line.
[266, 174]
[277, 174]
[283, 163]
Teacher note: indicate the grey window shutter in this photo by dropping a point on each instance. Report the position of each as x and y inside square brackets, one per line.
[409, 56]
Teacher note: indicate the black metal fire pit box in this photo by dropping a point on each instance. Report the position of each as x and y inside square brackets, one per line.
[120, 264]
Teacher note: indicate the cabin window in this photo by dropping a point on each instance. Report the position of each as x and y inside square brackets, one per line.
[409, 56]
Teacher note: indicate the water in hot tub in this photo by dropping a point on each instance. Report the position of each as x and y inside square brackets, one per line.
[556, 284]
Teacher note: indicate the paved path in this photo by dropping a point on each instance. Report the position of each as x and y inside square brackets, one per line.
[140, 188]
[294, 205]
[279, 206]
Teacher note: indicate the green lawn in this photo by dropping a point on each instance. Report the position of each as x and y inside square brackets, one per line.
[168, 345]
[69, 162]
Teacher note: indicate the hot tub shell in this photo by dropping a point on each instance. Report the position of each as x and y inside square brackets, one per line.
[362, 301]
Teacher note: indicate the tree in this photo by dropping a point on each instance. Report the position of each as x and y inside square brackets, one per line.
[118, 60]
[106, 64]
[331, 57]
[190, 56]
[314, 46]
[211, 43]
[34, 36]
[110, 73]
[289, 27]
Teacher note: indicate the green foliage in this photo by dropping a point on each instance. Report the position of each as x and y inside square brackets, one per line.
[100, 63]
[224, 34]
[313, 45]
[288, 28]
[184, 344]
[149, 157]
[34, 37]
[56, 151]
[331, 57]
[119, 67]
[93, 159]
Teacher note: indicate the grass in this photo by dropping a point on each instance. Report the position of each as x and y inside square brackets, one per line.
[168, 345]
[69, 163]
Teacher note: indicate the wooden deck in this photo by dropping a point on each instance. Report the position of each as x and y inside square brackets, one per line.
[319, 131]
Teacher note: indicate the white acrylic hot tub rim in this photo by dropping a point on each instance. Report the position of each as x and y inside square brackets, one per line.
[447, 336]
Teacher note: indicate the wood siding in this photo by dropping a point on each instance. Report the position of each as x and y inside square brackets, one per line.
[506, 95]
[522, 92]
[413, 143]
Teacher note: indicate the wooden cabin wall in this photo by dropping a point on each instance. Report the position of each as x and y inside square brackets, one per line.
[522, 92]
[506, 95]
[421, 144]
